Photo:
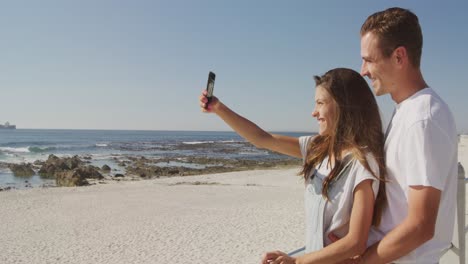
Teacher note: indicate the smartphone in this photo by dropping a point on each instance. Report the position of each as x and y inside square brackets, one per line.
[210, 86]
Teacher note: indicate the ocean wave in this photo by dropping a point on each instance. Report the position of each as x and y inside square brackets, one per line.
[197, 142]
[101, 145]
[14, 150]
[26, 143]
[20, 150]
[211, 142]
[231, 141]
[104, 156]
[254, 153]
[40, 150]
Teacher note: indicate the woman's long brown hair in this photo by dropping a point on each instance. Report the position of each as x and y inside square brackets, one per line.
[357, 129]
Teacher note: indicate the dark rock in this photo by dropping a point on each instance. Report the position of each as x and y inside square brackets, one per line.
[174, 171]
[73, 162]
[52, 157]
[38, 162]
[22, 170]
[90, 172]
[69, 171]
[70, 178]
[105, 167]
[4, 165]
[149, 171]
[55, 164]
[78, 176]
[119, 175]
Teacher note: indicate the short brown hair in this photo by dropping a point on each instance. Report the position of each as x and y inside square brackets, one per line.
[396, 27]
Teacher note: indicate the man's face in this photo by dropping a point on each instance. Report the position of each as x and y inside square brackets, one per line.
[375, 66]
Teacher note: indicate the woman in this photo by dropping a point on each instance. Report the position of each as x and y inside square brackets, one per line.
[343, 166]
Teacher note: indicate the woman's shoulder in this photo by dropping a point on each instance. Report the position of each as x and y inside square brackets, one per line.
[306, 139]
[371, 161]
[304, 142]
[359, 173]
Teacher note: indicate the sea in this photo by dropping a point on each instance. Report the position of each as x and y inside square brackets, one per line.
[104, 146]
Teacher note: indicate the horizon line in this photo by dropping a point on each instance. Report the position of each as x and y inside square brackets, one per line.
[167, 130]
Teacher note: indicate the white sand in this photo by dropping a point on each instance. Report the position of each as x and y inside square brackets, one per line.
[233, 221]
[153, 222]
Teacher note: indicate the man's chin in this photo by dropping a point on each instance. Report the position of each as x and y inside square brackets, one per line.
[378, 91]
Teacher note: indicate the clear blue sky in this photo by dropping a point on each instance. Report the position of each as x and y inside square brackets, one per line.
[142, 64]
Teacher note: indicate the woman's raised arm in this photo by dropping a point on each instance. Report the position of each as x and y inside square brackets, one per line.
[249, 130]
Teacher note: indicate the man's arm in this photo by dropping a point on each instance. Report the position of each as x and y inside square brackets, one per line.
[417, 228]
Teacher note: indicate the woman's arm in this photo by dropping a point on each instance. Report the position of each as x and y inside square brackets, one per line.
[250, 131]
[354, 243]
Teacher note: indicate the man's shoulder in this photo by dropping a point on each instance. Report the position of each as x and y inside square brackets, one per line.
[426, 105]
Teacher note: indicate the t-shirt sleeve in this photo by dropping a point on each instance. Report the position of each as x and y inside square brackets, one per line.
[363, 174]
[304, 145]
[426, 150]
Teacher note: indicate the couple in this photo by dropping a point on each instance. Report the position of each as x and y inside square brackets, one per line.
[370, 198]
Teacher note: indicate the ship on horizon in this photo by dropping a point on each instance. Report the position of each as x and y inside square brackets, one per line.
[7, 126]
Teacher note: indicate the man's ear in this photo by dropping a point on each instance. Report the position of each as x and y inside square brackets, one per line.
[400, 55]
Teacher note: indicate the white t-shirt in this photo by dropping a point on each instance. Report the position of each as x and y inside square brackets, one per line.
[338, 210]
[421, 149]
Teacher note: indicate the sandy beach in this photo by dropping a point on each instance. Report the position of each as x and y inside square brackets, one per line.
[218, 218]
[226, 218]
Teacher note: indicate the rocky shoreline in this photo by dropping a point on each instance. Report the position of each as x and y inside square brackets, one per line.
[79, 171]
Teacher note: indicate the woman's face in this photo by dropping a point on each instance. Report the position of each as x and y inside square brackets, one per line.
[325, 110]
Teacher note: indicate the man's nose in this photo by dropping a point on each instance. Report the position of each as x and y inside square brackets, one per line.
[364, 71]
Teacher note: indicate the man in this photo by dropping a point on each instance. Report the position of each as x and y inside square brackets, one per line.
[420, 145]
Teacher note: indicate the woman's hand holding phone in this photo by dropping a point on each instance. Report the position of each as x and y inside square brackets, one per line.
[208, 106]
[207, 101]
